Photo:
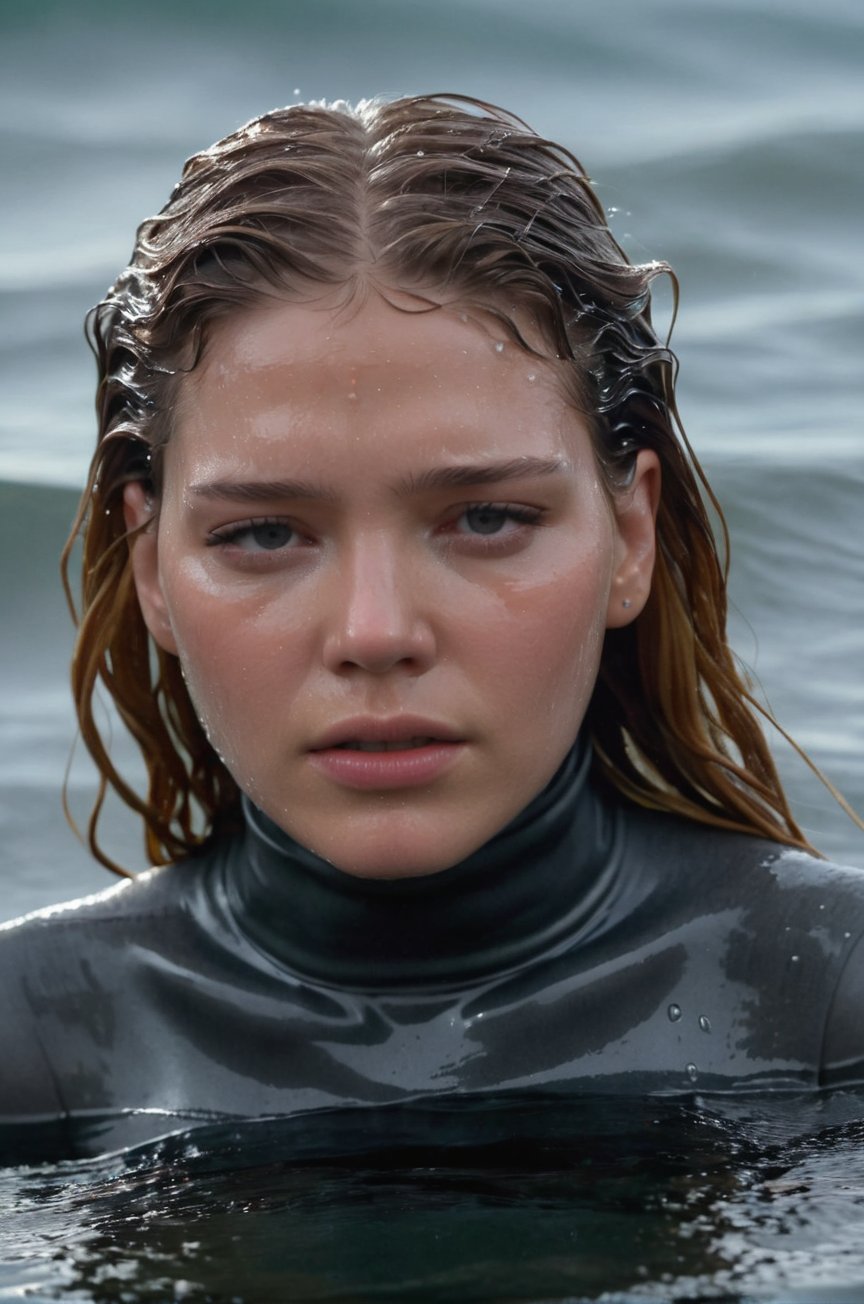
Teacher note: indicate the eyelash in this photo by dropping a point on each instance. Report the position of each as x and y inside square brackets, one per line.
[231, 534]
[517, 513]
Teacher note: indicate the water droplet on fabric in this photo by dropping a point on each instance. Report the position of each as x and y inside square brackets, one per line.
[704, 1023]
[692, 1072]
[847, 936]
[674, 1012]
[795, 958]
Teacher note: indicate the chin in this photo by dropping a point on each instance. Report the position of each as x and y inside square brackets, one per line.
[394, 857]
[388, 866]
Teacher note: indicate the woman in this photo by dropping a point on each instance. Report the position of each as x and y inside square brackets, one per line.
[399, 576]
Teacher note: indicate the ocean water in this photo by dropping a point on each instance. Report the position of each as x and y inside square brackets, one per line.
[726, 135]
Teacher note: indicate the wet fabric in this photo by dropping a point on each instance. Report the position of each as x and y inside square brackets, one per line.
[590, 947]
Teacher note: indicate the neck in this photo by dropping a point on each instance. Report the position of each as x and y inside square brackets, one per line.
[515, 896]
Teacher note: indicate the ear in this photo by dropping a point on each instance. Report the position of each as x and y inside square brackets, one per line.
[635, 515]
[140, 515]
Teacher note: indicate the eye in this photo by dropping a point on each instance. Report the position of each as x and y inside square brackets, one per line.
[267, 535]
[493, 518]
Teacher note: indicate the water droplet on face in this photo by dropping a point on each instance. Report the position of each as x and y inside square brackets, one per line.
[352, 396]
[499, 347]
[674, 1012]
[692, 1072]
[532, 375]
[704, 1023]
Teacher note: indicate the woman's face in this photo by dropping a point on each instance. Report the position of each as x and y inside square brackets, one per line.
[386, 560]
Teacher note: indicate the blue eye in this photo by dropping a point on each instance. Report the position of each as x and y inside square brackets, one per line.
[254, 536]
[269, 535]
[486, 519]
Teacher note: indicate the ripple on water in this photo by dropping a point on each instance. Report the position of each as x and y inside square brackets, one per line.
[519, 1198]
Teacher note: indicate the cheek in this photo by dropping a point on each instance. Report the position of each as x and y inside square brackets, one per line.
[241, 656]
[545, 639]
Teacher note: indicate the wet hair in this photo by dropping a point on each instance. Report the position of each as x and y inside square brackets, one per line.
[460, 201]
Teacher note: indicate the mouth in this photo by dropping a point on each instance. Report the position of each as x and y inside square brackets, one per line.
[385, 745]
[380, 754]
[396, 734]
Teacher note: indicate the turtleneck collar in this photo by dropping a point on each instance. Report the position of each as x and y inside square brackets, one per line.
[522, 892]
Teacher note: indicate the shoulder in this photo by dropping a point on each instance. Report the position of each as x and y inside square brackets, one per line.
[152, 892]
[772, 911]
[57, 965]
[737, 866]
[58, 938]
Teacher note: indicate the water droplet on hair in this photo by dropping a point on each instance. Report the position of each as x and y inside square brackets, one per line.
[421, 153]
[674, 1012]
[499, 346]
[692, 1072]
[704, 1023]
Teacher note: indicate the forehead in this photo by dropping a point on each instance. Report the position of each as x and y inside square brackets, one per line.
[330, 375]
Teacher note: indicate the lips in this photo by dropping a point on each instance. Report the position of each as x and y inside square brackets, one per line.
[397, 733]
[380, 754]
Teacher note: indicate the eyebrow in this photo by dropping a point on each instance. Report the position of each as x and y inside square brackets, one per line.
[449, 477]
[441, 477]
[256, 491]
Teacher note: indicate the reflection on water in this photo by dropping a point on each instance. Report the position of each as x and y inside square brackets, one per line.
[506, 1200]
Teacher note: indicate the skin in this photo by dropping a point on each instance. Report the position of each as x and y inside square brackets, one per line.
[372, 590]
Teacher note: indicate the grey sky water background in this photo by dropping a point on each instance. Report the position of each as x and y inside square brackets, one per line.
[725, 134]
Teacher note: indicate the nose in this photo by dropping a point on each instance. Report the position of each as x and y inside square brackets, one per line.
[375, 622]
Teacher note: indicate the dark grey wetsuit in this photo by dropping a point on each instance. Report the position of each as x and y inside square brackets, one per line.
[589, 947]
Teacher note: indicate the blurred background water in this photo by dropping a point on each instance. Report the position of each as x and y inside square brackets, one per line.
[726, 135]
